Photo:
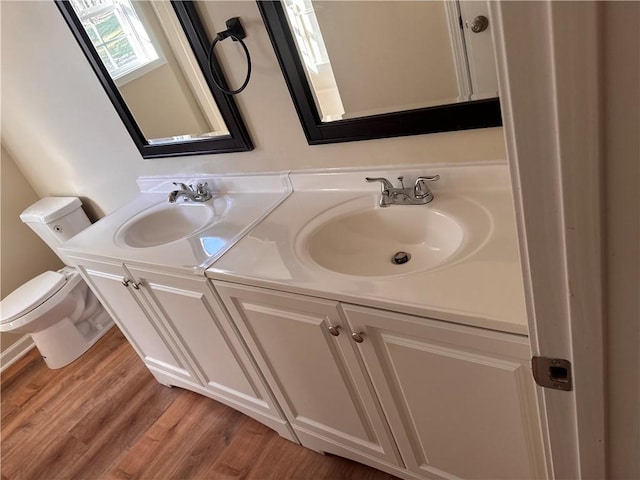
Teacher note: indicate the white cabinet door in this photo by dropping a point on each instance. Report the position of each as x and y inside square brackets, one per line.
[316, 377]
[129, 313]
[460, 400]
[190, 312]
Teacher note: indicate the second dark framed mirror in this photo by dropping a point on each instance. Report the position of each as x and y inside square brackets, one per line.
[151, 59]
[322, 47]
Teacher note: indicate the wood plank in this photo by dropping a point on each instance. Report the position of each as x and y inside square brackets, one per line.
[41, 387]
[120, 424]
[190, 424]
[239, 460]
[50, 459]
[69, 397]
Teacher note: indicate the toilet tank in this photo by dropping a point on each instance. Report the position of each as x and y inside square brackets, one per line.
[55, 220]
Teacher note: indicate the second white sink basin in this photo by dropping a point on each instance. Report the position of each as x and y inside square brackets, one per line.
[168, 222]
[360, 238]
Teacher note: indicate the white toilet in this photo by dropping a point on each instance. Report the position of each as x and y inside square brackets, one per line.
[57, 309]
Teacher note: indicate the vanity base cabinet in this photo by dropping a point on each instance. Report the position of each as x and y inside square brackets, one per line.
[419, 398]
[177, 326]
[460, 400]
[315, 374]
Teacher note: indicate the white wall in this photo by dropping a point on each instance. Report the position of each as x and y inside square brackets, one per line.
[386, 55]
[23, 254]
[161, 101]
[621, 61]
[67, 139]
[161, 115]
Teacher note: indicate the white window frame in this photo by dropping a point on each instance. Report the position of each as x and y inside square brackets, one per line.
[136, 27]
[310, 44]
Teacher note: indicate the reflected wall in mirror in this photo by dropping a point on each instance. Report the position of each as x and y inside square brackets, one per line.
[358, 66]
[152, 60]
[372, 69]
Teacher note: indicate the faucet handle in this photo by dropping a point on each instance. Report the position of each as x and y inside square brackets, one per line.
[202, 188]
[428, 178]
[420, 190]
[182, 186]
[202, 191]
[386, 184]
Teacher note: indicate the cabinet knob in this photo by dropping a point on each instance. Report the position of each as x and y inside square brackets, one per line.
[335, 331]
[357, 337]
[126, 282]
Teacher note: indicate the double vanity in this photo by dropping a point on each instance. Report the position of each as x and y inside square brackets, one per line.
[349, 320]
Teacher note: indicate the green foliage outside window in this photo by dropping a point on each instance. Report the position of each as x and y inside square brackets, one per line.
[116, 47]
[108, 26]
[121, 51]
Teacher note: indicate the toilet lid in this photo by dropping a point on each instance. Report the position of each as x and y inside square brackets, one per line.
[30, 295]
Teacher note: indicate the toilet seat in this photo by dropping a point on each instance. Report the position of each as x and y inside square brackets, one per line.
[31, 295]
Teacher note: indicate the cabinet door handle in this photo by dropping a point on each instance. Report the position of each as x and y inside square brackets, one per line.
[136, 285]
[357, 337]
[335, 331]
[126, 282]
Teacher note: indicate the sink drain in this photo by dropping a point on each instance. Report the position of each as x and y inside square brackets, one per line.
[400, 258]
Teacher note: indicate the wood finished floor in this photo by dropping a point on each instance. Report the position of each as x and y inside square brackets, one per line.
[105, 417]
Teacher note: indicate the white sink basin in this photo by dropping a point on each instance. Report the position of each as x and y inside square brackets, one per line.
[360, 238]
[168, 222]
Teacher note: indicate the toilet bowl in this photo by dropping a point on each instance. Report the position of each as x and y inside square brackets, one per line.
[57, 309]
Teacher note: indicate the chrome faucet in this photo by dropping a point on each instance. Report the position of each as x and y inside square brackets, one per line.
[200, 194]
[419, 194]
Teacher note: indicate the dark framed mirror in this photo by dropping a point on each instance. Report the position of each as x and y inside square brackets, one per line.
[151, 59]
[325, 44]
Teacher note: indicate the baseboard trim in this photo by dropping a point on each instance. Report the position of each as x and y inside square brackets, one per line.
[15, 352]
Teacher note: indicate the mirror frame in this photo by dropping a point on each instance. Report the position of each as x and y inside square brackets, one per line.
[237, 140]
[443, 118]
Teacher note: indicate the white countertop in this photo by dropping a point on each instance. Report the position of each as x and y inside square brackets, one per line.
[258, 242]
[480, 286]
[248, 198]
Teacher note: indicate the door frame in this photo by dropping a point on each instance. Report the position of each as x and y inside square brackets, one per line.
[548, 60]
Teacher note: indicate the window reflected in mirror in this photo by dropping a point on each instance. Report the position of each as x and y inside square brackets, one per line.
[119, 36]
[145, 50]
